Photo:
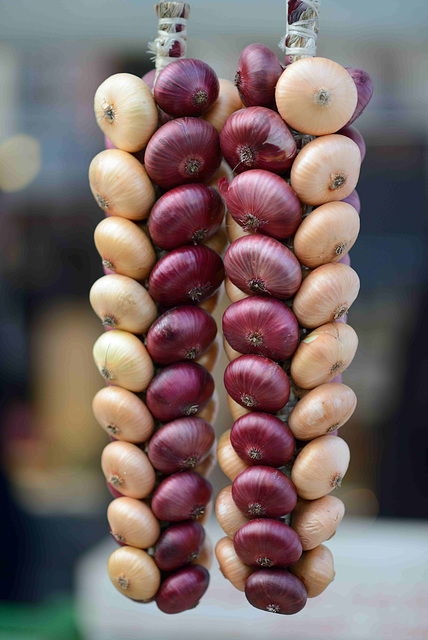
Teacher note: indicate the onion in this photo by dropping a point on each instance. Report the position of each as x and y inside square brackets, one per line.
[132, 523]
[257, 138]
[230, 463]
[355, 135]
[258, 72]
[128, 469]
[261, 438]
[134, 573]
[122, 414]
[276, 591]
[263, 202]
[264, 492]
[354, 200]
[181, 151]
[186, 274]
[187, 214]
[228, 102]
[229, 517]
[186, 87]
[233, 293]
[183, 589]
[316, 521]
[230, 565]
[315, 569]
[364, 85]
[267, 543]
[257, 383]
[179, 545]
[182, 496]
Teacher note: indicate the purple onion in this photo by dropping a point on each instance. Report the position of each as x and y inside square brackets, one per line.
[354, 200]
[257, 383]
[355, 135]
[182, 496]
[346, 259]
[149, 78]
[261, 438]
[183, 589]
[364, 85]
[186, 87]
[181, 389]
[264, 492]
[258, 72]
[276, 591]
[267, 543]
[179, 545]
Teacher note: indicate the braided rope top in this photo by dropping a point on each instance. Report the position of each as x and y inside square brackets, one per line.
[300, 40]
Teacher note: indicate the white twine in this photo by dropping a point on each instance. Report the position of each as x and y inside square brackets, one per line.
[159, 49]
[306, 29]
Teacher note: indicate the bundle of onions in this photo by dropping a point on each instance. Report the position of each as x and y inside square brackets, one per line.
[290, 285]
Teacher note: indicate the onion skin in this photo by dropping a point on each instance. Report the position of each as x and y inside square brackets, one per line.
[182, 151]
[181, 389]
[187, 274]
[355, 135]
[230, 565]
[229, 517]
[228, 102]
[354, 200]
[186, 87]
[122, 414]
[259, 265]
[187, 214]
[230, 463]
[264, 492]
[134, 573]
[364, 85]
[181, 333]
[127, 468]
[261, 438]
[267, 543]
[258, 72]
[262, 201]
[261, 326]
[132, 523]
[181, 444]
[257, 138]
[276, 591]
[315, 569]
[183, 589]
[179, 545]
[316, 521]
[181, 496]
[257, 383]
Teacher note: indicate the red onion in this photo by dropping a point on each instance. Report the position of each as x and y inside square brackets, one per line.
[264, 492]
[187, 214]
[180, 444]
[263, 326]
[267, 543]
[149, 78]
[261, 438]
[183, 589]
[114, 492]
[263, 202]
[182, 333]
[258, 383]
[186, 274]
[257, 138]
[186, 87]
[182, 151]
[179, 545]
[346, 259]
[364, 85]
[182, 496]
[257, 75]
[261, 265]
[355, 135]
[354, 201]
[275, 590]
[181, 389]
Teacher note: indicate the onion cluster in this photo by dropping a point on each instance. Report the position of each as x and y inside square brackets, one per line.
[161, 244]
[290, 284]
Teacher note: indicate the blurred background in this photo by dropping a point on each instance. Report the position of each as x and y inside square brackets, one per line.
[53, 532]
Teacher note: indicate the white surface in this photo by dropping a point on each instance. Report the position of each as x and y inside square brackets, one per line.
[380, 593]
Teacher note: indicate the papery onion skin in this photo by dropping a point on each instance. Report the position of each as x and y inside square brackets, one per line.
[355, 135]
[181, 496]
[210, 358]
[262, 201]
[187, 214]
[264, 492]
[180, 444]
[179, 545]
[127, 468]
[228, 102]
[205, 558]
[233, 293]
[122, 414]
[230, 565]
[181, 333]
[258, 72]
[186, 87]
[182, 151]
[354, 200]
[261, 326]
[229, 517]
[132, 523]
[258, 383]
[364, 85]
[257, 138]
[134, 573]
[229, 461]
[315, 569]
[276, 591]
[149, 78]
[267, 543]
[187, 274]
[181, 389]
[316, 521]
[259, 265]
[183, 589]
[261, 438]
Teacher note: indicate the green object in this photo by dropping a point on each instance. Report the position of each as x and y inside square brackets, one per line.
[50, 620]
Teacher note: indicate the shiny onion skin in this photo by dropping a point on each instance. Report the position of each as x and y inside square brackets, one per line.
[179, 545]
[186, 87]
[182, 151]
[257, 383]
[354, 200]
[355, 135]
[181, 389]
[267, 543]
[181, 496]
[180, 444]
[183, 589]
[263, 202]
[258, 72]
[188, 214]
[257, 138]
[187, 274]
[276, 591]
[364, 85]
[181, 333]
[264, 492]
[261, 326]
[261, 438]
[259, 265]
